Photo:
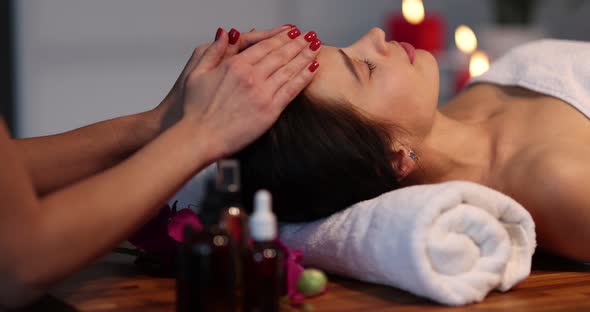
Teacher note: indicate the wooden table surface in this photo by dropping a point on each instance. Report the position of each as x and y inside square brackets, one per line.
[115, 284]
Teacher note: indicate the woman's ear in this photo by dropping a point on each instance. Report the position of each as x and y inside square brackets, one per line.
[404, 163]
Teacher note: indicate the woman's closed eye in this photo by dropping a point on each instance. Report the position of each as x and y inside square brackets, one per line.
[371, 66]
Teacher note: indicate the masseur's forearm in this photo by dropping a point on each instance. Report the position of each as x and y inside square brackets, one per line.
[55, 161]
[80, 222]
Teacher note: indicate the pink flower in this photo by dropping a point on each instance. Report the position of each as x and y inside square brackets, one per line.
[162, 233]
[293, 259]
[180, 220]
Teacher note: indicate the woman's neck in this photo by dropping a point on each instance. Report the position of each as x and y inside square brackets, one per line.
[454, 150]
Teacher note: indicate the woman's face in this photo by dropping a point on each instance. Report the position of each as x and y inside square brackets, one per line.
[379, 78]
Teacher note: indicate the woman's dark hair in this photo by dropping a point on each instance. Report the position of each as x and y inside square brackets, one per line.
[318, 159]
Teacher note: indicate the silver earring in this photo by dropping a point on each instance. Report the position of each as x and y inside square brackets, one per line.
[412, 155]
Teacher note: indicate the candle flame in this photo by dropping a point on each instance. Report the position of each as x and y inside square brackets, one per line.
[465, 39]
[479, 64]
[234, 211]
[413, 11]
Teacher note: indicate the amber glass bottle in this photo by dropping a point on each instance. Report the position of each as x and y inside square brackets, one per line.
[207, 262]
[233, 216]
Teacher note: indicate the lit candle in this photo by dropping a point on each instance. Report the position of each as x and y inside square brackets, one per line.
[479, 63]
[414, 26]
[467, 67]
[466, 43]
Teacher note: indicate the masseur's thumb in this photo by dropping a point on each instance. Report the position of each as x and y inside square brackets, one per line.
[214, 53]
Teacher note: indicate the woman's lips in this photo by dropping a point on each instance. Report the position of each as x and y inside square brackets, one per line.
[410, 50]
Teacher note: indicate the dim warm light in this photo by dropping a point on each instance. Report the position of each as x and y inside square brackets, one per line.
[413, 11]
[234, 211]
[465, 39]
[479, 64]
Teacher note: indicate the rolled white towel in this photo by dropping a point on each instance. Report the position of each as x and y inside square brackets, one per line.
[451, 242]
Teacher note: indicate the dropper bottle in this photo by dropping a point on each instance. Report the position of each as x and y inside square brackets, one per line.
[263, 264]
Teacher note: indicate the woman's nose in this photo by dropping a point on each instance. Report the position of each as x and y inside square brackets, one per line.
[374, 39]
[376, 33]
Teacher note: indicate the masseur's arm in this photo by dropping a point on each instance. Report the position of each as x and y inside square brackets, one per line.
[225, 107]
[55, 161]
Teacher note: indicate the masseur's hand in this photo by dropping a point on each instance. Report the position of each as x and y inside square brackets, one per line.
[234, 100]
[170, 109]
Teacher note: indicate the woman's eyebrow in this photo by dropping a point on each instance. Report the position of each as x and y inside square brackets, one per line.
[350, 65]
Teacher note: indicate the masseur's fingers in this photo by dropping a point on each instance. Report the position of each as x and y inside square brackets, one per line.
[253, 37]
[255, 53]
[243, 41]
[234, 95]
[240, 41]
[213, 55]
[305, 46]
[288, 91]
[234, 43]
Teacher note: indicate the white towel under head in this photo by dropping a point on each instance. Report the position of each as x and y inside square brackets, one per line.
[452, 242]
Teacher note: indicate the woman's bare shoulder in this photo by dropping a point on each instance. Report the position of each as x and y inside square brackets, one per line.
[551, 176]
[554, 188]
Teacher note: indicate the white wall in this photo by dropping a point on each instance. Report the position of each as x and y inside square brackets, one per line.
[82, 61]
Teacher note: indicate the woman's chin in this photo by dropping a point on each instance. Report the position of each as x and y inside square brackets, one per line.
[428, 66]
[425, 58]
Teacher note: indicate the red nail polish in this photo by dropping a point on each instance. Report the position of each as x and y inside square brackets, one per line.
[218, 33]
[315, 44]
[234, 35]
[313, 66]
[294, 33]
[310, 36]
[290, 25]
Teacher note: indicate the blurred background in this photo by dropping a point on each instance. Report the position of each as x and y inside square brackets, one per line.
[68, 63]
